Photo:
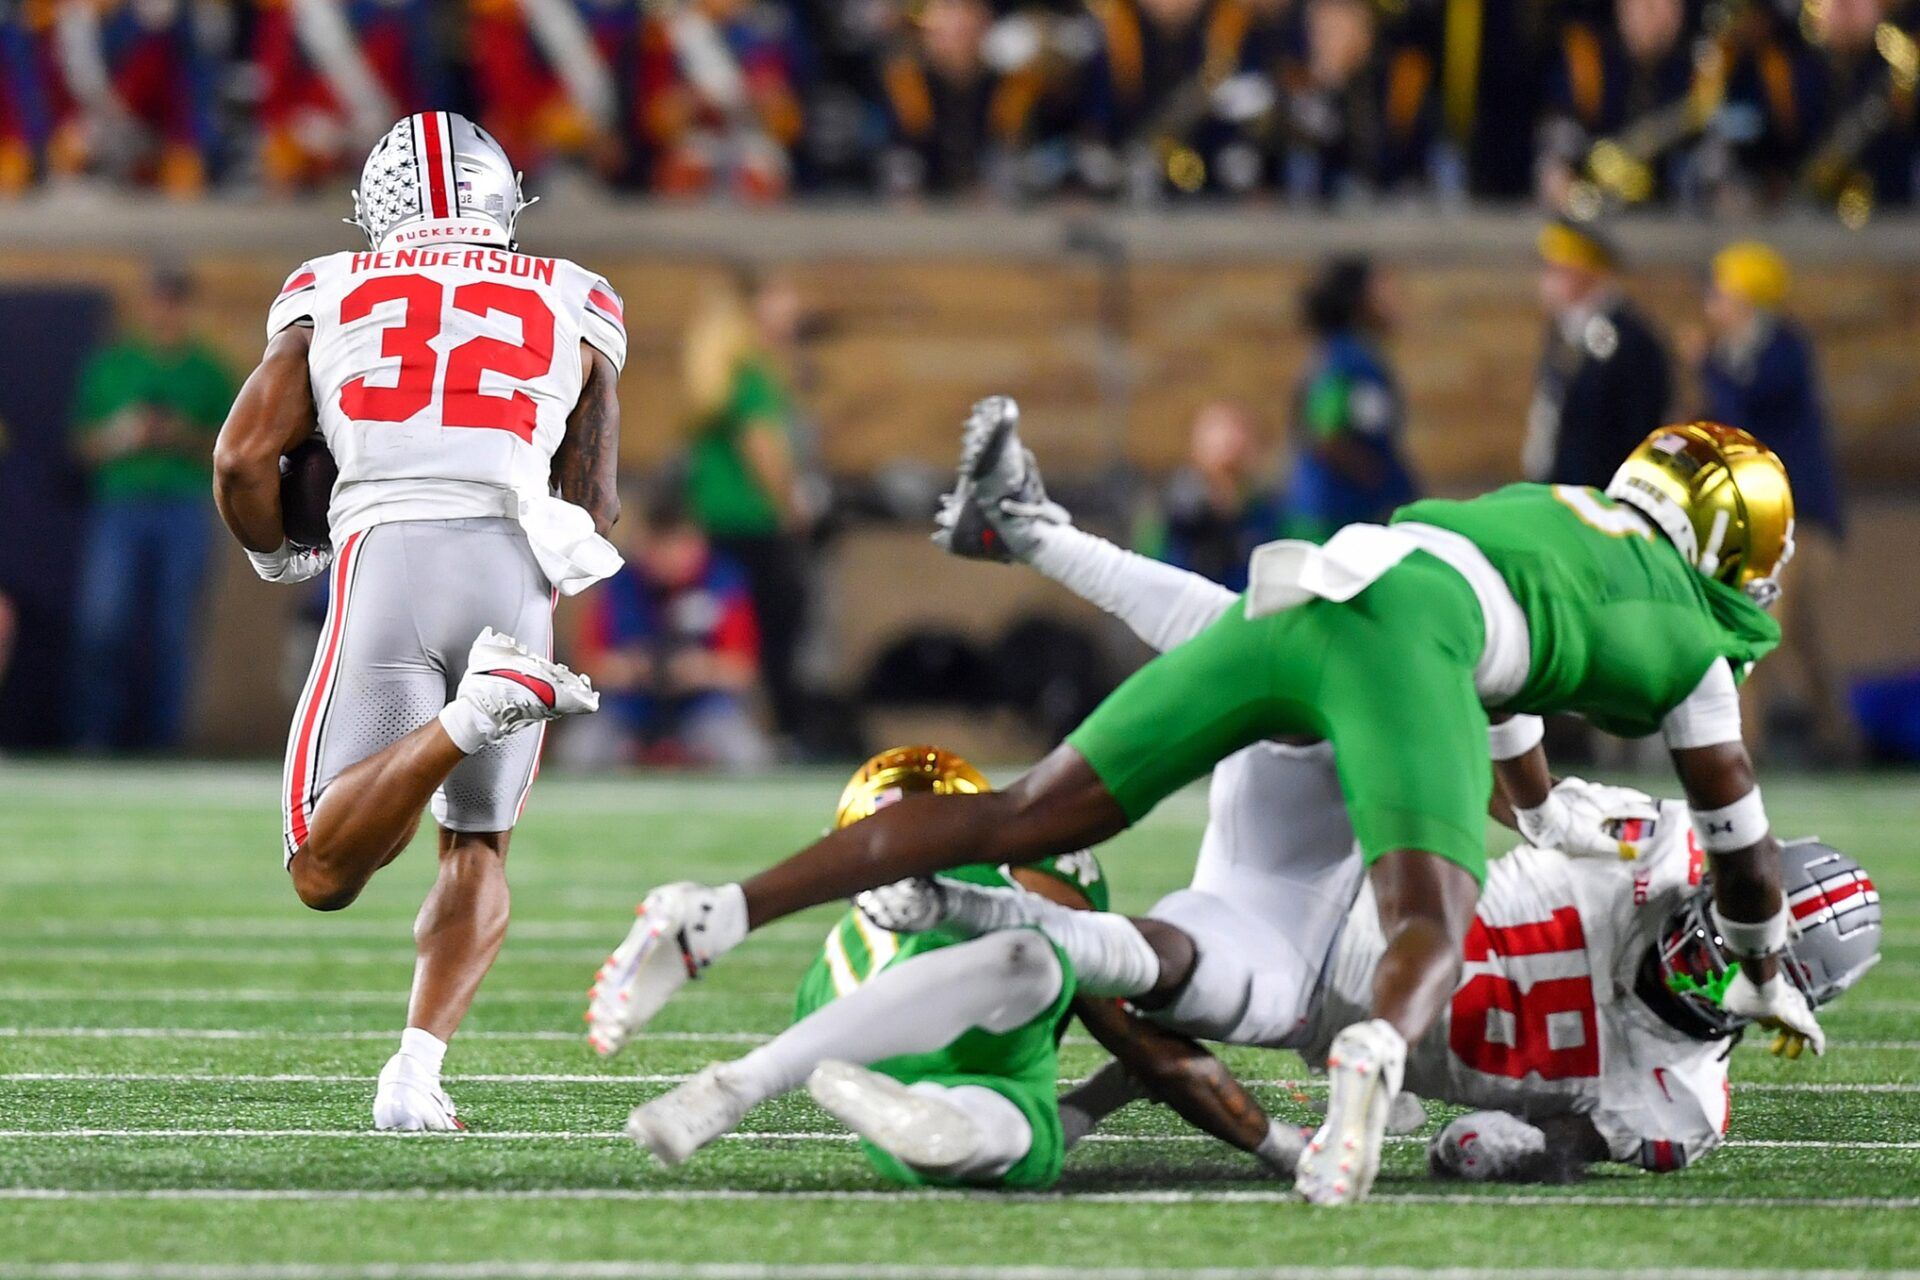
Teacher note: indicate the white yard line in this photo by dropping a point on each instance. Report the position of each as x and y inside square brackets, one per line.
[326, 995]
[519, 1270]
[807, 1135]
[1549, 1199]
[718, 1037]
[216, 1077]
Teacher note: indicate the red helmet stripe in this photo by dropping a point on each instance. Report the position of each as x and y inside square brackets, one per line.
[433, 162]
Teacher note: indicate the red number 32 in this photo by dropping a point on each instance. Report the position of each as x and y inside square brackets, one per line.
[1528, 1022]
[462, 402]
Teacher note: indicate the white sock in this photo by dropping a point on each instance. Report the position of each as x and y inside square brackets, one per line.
[1110, 957]
[1162, 605]
[1005, 1135]
[1280, 1149]
[424, 1047]
[468, 726]
[994, 983]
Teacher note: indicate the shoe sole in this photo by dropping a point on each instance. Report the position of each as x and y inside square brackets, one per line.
[990, 450]
[660, 968]
[904, 1128]
[1340, 1163]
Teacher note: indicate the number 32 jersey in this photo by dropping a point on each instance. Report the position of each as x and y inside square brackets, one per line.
[1545, 1021]
[443, 377]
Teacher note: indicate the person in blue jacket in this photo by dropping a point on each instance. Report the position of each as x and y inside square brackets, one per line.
[1348, 414]
[1758, 373]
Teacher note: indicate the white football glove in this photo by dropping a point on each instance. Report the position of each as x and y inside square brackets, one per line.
[1779, 1006]
[290, 563]
[1581, 819]
[1483, 1145]
[906, 906]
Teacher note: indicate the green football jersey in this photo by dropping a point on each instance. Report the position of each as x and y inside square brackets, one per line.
[856, 949]
[1622, 629]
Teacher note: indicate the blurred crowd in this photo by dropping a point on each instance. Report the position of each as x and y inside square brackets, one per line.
[700, 643]
[1712, 105]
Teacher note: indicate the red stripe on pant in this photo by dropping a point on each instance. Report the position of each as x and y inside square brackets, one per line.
[307, 715]
[539, 752]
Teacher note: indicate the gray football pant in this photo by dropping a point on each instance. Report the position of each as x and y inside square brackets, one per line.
[408, 600]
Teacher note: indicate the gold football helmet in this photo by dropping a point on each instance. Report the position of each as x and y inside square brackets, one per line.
[900, 771]
[1721, 496]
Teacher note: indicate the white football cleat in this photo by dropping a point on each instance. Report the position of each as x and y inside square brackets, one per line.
[686, 1118]
[1364, 1068]
[999, 496]
[680, 929]
[919, 1131]
[410, 1099]
[511, 687]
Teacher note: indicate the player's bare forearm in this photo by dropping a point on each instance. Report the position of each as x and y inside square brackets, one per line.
[586, 466]
[273, 412]
[1746, 881]
[1059, 807]
[1525, 782]
[1179, 1073]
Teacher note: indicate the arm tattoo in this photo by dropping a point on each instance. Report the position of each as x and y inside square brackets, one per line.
[586, 466]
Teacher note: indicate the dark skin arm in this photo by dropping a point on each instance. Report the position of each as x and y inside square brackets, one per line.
[586, 466]
[1058, 807]
[1746, 882]
[1524, 783]
[1174, 1069]
[273, 413]
[1178, 1072]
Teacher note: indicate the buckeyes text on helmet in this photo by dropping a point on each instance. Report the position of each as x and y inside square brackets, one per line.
[438, 178]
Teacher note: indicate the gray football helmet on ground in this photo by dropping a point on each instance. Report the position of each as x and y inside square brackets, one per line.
[1835, 939]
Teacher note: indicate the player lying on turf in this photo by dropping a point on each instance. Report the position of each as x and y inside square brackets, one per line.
[456, 383]
[941, 1049]
[1246, 948]
[1638, 609]
[1590, 1016]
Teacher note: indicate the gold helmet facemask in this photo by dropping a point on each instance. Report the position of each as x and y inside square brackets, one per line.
[1722, 499]
[900, 771]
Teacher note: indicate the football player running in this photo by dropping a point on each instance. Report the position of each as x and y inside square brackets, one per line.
[940, 1048]
[1638, 608]
[467, 393]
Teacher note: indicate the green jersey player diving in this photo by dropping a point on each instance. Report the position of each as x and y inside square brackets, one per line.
[1410, 647]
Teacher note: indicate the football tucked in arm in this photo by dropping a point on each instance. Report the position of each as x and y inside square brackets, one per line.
[306, 490]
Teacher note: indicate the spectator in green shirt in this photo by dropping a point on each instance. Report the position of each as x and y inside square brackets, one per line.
[742, 481]
[147, 410]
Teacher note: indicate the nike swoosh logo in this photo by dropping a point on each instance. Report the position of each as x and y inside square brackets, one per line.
[1660, 1078]
[540, 688]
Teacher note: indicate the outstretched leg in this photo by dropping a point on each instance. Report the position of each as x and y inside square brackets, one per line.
[993, 984]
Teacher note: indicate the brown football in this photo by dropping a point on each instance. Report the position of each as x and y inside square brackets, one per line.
[306, 490]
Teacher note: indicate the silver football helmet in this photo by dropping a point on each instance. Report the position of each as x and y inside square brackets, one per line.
[438, 178]
[1835, 939]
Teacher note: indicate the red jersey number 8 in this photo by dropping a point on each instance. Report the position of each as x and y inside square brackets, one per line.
[462, 402]
[1527, 1017]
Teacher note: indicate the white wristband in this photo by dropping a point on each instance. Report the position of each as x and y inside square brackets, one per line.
[1753, 938]
[1515, 736]
[1740, 825]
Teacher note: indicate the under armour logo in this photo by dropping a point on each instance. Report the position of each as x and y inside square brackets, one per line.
[1719, 828]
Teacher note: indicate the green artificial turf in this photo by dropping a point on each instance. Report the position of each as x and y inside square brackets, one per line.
[187, 1056]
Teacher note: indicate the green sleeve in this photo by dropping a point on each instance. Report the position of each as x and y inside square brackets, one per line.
[97, 394]
[758, 397]
[215, 394]
[1326, 405]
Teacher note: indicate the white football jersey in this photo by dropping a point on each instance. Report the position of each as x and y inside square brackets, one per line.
[1545, 1020]
[444, 376]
